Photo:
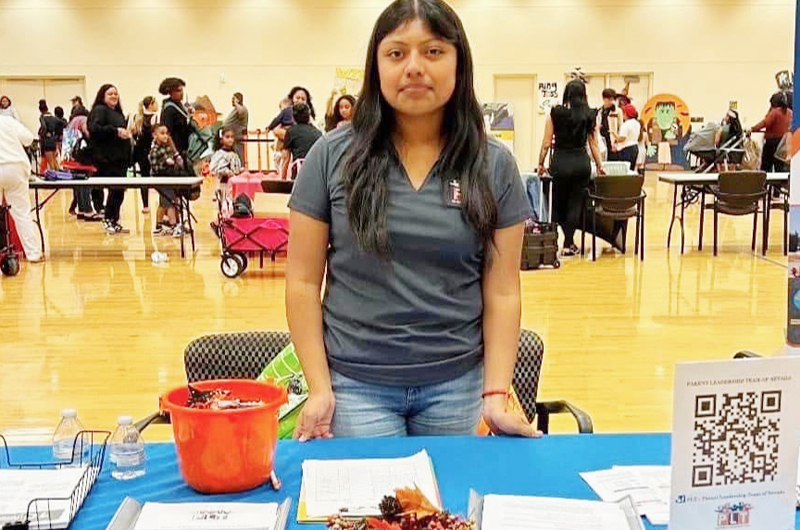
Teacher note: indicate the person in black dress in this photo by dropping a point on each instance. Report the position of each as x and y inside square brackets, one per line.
[570, 128]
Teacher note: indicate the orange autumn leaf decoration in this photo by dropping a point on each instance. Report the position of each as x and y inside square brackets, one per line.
[379, 524]
[414, 502]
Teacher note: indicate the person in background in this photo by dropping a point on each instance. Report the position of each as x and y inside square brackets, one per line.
[7, 109]
[15, 169]
[626, 141]
[76, 137]
[176, 117]
[297, 95]
[329, 109]
[48, 136]
[776, 124]
[226, 163]
[237, 121]
[77, 106]
[111, 149]
[342, 112]
[143, 135]
[572, 125]
[165, 161]
[608, 120]
[302, 136]
[730, 128]
[419, 327]
[284, 118]
[58, 112]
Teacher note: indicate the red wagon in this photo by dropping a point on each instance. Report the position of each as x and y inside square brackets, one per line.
[241, 237]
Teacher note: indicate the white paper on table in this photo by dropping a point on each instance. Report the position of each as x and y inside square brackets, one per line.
[207, 516]
[644, 484]
[356, 487]
[735, 445]
[509, 512]
[18, 487]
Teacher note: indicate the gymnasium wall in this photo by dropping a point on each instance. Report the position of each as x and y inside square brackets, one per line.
[706, 51]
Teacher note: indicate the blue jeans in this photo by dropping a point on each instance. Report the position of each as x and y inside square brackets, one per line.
[365, 410]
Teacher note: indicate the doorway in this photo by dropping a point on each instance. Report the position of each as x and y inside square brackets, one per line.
[25, 94]
[520, 92]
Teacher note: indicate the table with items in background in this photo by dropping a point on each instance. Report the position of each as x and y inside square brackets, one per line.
[693, 186]
[182, 187]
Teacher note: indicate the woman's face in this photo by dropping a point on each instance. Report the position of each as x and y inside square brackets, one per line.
[5, 102]
[345, 109]
[177, 94]
[111, 98]
[153, 107]
[417, 69]
[299, 97]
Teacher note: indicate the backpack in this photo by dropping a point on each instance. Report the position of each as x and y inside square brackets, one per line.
[242, 207]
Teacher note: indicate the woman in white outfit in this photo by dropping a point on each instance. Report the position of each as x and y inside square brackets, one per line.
[15, 168]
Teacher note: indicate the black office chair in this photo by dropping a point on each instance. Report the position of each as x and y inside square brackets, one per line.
[244, 355]
[738, 193]
[618, 198]
[781, 202]
[232, 355]
[530, 355]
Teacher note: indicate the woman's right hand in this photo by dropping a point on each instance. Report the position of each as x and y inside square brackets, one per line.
[123, 133]
[315, 418]
[541, 170]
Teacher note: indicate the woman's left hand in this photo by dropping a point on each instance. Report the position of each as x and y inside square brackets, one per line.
[502, 421]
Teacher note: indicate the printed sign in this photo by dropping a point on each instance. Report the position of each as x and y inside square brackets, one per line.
[734, 444]
[548, 96]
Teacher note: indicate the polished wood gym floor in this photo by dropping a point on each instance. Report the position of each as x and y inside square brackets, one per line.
[101, 328]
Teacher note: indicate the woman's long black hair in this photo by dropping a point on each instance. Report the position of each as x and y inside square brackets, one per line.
[582, 117]
[310, 103]
[337, 114]
[101, 96]
[371, 152]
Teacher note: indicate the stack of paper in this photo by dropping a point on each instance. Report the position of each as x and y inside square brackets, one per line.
[505, 512]
[648, 486]
[207, 516]
[356, 487]
[18, 487]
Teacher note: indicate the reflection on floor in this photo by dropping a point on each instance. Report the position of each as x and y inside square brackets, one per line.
[101, 328]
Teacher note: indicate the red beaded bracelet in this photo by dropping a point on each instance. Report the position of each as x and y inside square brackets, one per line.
[494, 393]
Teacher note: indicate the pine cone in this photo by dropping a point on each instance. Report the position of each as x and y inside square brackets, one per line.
[390, 508]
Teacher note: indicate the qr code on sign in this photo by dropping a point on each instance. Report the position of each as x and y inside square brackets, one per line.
[736, 438]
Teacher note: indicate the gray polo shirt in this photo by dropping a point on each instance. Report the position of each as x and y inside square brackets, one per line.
[417, 319]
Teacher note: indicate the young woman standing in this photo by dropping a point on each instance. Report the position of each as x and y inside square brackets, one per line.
[418, 217]
[111, 149]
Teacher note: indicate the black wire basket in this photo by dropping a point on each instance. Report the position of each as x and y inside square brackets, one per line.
[43, 513]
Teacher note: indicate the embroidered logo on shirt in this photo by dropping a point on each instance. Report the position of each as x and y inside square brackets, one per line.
[455, 193]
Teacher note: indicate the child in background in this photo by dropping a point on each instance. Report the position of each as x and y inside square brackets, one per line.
[225, 164]
[284, 120]
[165, 161]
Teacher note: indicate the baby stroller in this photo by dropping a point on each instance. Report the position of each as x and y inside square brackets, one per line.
[241, 234]
[9, 258]
[702, 146]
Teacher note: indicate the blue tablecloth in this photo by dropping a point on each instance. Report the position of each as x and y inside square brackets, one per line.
[547, 467]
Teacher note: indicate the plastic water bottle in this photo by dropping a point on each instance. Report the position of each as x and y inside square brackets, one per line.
[64, 437]
[126, 450]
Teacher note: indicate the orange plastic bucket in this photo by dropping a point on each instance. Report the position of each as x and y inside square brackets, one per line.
[226, 451]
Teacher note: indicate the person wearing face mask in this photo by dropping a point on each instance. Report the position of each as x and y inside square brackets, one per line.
[110, 140]
[415, 219]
